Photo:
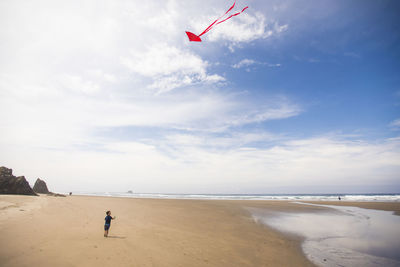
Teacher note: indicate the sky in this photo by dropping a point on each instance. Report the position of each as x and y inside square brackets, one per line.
[288, 97]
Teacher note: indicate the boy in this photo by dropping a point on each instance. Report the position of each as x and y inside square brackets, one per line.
[107, 224]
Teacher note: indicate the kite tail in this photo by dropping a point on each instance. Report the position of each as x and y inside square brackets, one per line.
[212, 24]
[209, 27]
[196, 38]
[233, 15]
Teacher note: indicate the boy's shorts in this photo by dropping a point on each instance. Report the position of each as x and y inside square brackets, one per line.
[106, 227]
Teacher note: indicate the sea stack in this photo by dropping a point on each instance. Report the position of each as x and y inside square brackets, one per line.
[9, 184]
[40, 187]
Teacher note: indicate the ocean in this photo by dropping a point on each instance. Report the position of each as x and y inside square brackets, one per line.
[293, 197]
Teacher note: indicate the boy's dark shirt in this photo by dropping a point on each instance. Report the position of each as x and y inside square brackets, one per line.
[108, 219]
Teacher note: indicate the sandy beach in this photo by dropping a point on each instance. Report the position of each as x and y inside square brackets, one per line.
[52, 231]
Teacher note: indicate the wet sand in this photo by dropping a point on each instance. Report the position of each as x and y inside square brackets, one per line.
[341, 235]
[50, 231]
[388, 206]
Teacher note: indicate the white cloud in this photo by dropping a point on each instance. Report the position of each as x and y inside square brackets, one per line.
[282, 110]
[76, 83]
[310, 162]
[169, 67]
[395, 123]
[191, 163]
[280, 28]
[161, 59]
[244, 63]
[246, 28]
[249, 62]
[214, 142]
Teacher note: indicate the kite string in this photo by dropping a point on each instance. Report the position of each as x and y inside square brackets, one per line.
[209, 27]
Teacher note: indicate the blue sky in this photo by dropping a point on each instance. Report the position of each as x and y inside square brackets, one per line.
[288, 97]
[343, 68]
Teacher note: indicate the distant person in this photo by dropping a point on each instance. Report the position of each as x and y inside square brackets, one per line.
[339, 198]
[107, 224]
[70, 193]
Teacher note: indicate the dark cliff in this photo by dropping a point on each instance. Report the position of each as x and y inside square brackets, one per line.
[40, 187]
[9, 184]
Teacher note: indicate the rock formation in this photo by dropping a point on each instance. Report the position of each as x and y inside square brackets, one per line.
[9, 184]
[40, 187]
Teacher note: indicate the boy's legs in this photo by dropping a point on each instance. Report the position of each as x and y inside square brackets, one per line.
[106, 227]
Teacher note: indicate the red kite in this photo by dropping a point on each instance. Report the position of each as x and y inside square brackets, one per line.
[196, 38]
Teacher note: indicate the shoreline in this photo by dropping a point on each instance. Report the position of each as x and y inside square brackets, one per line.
[147, 232]
[376, 197]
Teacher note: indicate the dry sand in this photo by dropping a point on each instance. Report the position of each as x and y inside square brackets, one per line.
[50, 231]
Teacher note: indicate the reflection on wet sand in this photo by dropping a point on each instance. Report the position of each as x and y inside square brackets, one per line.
[342, 236]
